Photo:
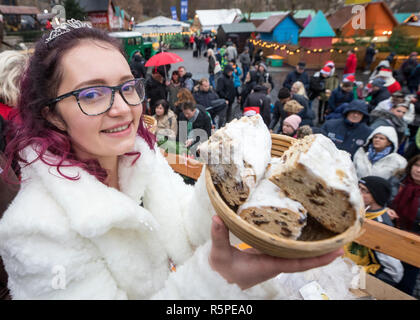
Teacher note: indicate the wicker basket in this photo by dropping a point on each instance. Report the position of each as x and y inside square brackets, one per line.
[151, 123]
[269, 243]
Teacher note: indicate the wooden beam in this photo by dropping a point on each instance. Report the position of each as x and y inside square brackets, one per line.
[394, 242]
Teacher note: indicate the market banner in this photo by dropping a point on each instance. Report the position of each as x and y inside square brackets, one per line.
[174, 14]
[184, 10]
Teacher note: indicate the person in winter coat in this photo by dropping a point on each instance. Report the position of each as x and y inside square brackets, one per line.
[166, 120]
[379, 157]
[137, 65]
[351, 64]
[413, 81]
[206, 97]
[173, 88]
[156, 89]
[351, 132]
[393, 118]
[264, 75]
[258, 57]
[91, 211]
[379, 93]
[408, 66]
[291, 125]
[370, 57]
[232, 53]
[299, 74]
[340, 95]
[407, 206]
[245, 60]
[251, 80]
[226, 90]
[237, 72]
[213, 70]
[258, 103]
[376, 193]
[279, 114]
[185, 78]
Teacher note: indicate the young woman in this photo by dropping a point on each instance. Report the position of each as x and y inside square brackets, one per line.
[100, 213]
[166, 120]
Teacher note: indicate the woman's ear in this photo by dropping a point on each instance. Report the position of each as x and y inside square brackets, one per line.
[54, 118]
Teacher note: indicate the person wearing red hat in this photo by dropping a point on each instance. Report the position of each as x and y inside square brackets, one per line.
[390, 83]
[351, 64]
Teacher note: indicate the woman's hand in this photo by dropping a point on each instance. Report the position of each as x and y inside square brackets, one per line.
[248, 268]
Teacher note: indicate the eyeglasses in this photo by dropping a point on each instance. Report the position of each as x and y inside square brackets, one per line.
[96, 100]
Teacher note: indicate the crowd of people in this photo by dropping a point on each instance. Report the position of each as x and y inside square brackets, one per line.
[377, 123]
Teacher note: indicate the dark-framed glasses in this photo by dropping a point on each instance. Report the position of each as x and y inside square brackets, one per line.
[96, 100]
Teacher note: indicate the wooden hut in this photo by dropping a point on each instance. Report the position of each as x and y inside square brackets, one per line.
[318, 34]
[378, 16]
[280, 28]
[238, 32]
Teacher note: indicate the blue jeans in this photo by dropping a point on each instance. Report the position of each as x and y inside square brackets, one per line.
[212, 83]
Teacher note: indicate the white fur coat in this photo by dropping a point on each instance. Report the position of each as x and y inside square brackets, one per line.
[63, 239]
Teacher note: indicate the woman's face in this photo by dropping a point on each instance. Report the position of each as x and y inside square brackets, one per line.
[380, 142]
[160, 110]
[89, 64]
[295, 88]
[399, 111]
[415, 172]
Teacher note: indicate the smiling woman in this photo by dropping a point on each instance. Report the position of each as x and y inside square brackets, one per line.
[111, 227]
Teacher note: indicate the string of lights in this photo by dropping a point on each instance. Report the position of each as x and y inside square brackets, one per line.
[292, 51]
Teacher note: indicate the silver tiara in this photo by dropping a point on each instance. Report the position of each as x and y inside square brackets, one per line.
[66, 27]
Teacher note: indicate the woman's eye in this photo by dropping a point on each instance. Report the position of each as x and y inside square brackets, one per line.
[91, 94]
[128, 88]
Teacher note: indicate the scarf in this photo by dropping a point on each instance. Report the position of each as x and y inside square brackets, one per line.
[406, 203]
[376, 156]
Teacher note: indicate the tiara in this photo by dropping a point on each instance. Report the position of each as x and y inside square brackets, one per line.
[66, 27]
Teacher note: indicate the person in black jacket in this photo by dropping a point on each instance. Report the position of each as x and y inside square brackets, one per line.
[137, 65]
[258, 102]
[194, 126]
[155, 89]
[299, 74]
[340, 95]
[251, 80]
[408, 66]
[379, 93]
[226, 89]
[264, 75]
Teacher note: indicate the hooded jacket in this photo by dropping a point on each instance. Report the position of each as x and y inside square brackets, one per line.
[346, 135]
[385, 167]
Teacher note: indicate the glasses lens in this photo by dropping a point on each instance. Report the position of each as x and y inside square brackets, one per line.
[95, 100]
[133, 91]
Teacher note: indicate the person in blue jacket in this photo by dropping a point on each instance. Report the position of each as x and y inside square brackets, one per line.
[350, 132]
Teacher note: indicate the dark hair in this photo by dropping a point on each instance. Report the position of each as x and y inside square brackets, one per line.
[164, 103]
[40, 83]
[283, 93]
[410, 164]
[188, 105]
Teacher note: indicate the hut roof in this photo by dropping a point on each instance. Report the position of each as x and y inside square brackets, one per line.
[272, 22]
[243, 27]
[318, 27]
